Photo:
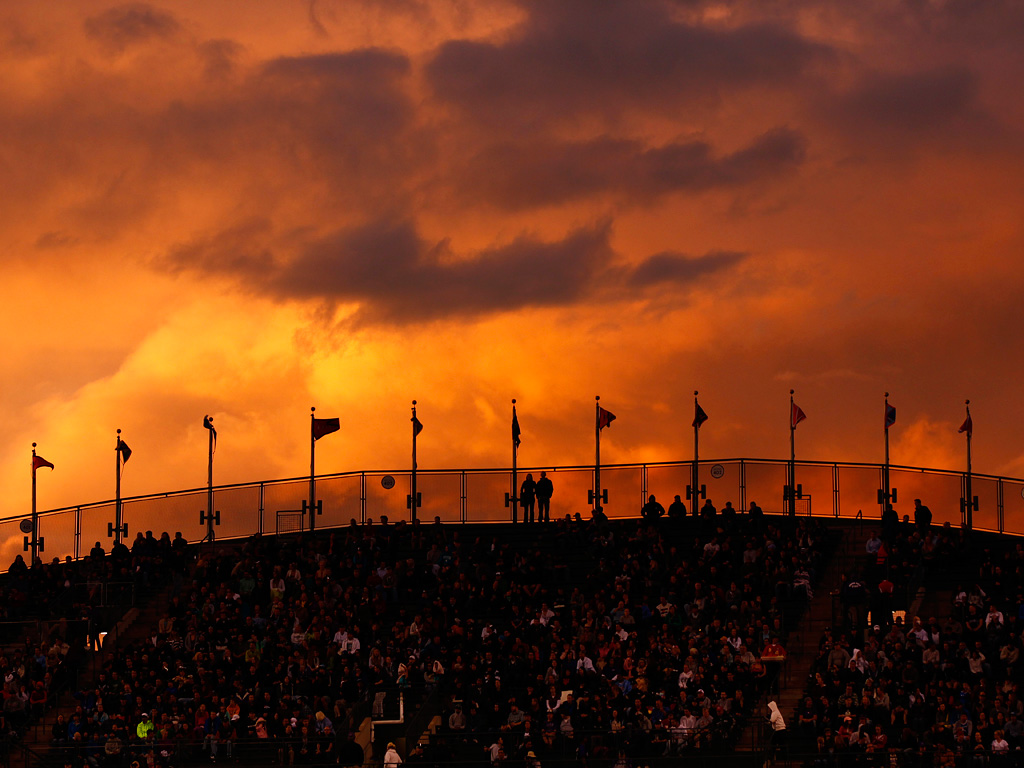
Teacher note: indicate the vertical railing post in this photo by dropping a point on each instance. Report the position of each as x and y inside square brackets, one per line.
[362, 497]
[263, 509]
[1000, 508]
[643, 484]
[836, 503]
[78, 532]
[743, 485]
[462, 495]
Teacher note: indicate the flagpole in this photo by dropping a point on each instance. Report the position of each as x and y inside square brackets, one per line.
[209, 486]
[597, 450]
[312, 471]
[515, 473]
[791, 494]
[970, 498]
[117, 489]
[885, 469]
[695, 469]
[412, 498]
[35, 515]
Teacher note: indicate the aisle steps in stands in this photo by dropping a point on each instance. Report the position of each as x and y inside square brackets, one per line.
[134, 625]
[802, 646]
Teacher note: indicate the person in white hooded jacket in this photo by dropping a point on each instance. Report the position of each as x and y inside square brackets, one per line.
[778, 724]
[391, 758]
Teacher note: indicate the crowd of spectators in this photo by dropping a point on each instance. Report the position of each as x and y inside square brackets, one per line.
[573, 638]
[49, 613]
[939, 690]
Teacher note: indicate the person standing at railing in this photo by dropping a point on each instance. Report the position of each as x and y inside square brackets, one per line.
[922, 517]
[545, 490]
[528, 497]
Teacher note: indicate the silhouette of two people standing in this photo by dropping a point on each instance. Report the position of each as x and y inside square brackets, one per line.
[536, 494]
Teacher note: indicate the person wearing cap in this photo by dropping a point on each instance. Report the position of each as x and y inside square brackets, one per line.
[531, 760]
[391, 757]
[145, 727]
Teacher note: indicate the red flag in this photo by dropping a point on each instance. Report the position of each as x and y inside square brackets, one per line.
[604, 418]
[796, 416]
[39, 461]
[699, 417]
[323, 427]
[967, 426]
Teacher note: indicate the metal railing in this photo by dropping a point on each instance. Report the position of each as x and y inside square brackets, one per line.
[478, 495]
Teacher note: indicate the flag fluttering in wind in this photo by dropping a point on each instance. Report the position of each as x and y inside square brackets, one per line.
[417, 427]
[39, 461]
[796, 416]
[124, 450]
[323, 427]
[604, 418]
[516, 432]
[890, 415]
[208, 423]
[699, 416]
[967, 426]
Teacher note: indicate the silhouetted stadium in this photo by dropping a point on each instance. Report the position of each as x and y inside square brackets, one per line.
[362, 634]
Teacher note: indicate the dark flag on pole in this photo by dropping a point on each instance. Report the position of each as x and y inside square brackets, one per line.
[208, 423]
[604, 418]
[39, 461]
[323, 427]
[124, 450]
[516, 432]
[890, 415]
[967, 426]
[796, 416]
[699, 417]
[417, 427]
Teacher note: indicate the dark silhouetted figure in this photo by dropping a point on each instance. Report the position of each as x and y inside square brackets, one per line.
[677, 509]
[528, 497]
[922, 516]
[652, 510]
[708, 512]
[545, 490]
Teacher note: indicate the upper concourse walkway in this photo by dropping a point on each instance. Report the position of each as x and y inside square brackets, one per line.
[828, 489]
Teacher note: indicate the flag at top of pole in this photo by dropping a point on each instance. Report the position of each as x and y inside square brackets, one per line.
[39, 461]
[516, 432]
[208, 424]
[968, 425]
[323, 427]
[604, 418]
[890, 415]
[699, 416]
[795, 415]
[124, 450]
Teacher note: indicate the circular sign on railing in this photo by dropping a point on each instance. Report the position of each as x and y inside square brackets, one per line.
[717, 471]
[387, 482]
[25, 525]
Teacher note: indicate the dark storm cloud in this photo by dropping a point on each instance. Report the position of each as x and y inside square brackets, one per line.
[677, 268]
[397, 277]
[920, 102]
[126, 25]
[242, 251]
[581, 57]
[540, 172]
[400, 278]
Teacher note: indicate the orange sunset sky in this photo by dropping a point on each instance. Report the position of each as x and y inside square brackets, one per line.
[245, 209]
